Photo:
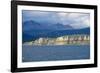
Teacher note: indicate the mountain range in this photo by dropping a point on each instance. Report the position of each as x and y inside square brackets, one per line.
[33, 30]
[33, 25]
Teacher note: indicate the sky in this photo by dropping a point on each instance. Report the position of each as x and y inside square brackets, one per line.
[76, 20]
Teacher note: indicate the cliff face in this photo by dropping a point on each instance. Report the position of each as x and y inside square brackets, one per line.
[63, 40]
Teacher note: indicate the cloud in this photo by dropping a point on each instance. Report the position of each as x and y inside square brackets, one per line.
[76, 20]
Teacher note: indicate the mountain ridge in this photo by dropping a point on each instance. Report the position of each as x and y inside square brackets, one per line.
[33, 25]
[33, 35]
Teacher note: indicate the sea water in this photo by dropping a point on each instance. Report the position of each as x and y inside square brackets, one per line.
[31, 53]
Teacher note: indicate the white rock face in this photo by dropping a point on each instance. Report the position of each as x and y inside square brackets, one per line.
[63, 40]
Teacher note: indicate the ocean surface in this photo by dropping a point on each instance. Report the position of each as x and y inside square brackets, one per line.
[52, 53]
